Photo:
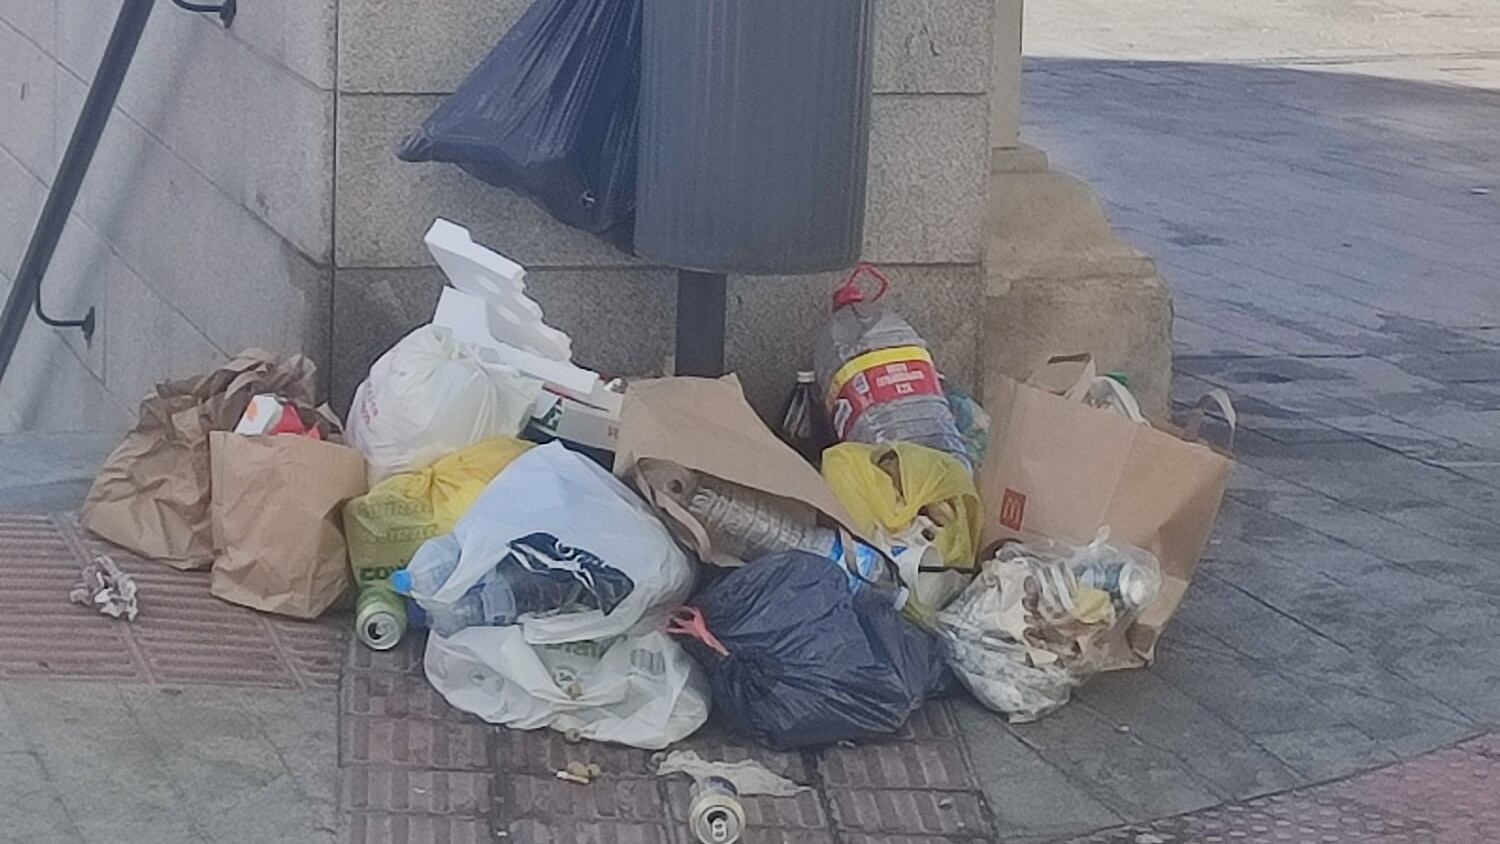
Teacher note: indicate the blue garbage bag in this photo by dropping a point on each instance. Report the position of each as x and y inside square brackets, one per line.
[795, 659]
[551, 113]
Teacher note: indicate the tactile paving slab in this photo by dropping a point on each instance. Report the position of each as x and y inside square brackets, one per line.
[1449, 796]
[183, 635]
[411, 774]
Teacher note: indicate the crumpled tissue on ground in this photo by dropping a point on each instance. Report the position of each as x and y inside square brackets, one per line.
[749, 777]
[103, 586]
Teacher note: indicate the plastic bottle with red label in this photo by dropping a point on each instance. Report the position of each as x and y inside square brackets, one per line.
[877, 376]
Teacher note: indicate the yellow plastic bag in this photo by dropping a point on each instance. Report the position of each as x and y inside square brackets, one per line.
[385, 527]
[931, 483]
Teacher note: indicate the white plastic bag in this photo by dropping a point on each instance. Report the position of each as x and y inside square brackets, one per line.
[643, 691]
[563, 511]
[429, 396]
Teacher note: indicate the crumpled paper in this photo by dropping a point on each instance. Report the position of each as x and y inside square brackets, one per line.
[103, 586]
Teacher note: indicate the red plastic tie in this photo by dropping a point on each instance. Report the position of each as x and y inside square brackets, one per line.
[688, 621]
[850, 293]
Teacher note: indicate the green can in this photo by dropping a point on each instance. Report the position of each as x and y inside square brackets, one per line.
[380, 618]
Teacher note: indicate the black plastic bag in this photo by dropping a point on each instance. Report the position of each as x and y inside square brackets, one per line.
[808, 662]
[552, 113]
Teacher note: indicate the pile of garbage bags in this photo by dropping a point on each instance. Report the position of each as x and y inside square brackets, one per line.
[619, 559]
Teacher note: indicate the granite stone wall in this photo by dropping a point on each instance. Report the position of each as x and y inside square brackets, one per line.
[247, 193]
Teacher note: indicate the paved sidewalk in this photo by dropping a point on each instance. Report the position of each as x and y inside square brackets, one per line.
[1445, 797]
[1325, 209]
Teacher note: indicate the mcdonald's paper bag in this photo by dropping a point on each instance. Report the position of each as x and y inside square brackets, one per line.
[276, 520]
[1058, 468]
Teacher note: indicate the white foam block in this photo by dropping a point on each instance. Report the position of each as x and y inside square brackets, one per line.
[464, 315]
[499, 283]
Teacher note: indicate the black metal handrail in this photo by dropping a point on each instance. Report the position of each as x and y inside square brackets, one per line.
[25, 292]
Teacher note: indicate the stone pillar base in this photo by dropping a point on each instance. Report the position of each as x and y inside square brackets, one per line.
[1059, 280]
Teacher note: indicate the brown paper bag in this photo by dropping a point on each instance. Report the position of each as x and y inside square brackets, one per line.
[152, 494]
[1058, 469]
[706, 425]
[276, 520]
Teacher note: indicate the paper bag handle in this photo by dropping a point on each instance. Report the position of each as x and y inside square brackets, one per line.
[1215, 398]
[1080, 387]
[1122, 394]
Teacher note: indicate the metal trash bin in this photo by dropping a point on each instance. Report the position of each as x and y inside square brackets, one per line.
[754, 134]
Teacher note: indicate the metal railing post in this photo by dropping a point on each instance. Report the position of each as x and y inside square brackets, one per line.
[26, 288]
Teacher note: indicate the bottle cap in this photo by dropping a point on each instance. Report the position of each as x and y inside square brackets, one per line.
[806, 376]
[401, 581]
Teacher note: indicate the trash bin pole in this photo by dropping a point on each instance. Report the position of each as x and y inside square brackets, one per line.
[701, 300]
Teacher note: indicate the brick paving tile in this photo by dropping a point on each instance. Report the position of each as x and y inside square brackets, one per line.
[908, 811]
[771, 835]
[604, 799]
[803, 812]
[436, 745]
[405, 658]
[576, 831]
[933, 721]
[544, 752]
[926, 765]
[899, 838]
[418, 792]
[420, 829]
[396, 695]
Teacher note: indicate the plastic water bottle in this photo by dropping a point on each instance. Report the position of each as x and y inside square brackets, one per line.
[429, 568]
[877, 376]
[500, 598]
[742, 522]
[750, 524]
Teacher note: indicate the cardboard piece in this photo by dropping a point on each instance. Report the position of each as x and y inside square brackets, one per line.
[276, 521]
[567, 419]
[1056, 468]
[152, 494]
[706, 425]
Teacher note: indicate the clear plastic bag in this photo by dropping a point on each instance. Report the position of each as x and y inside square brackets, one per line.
[1042, 618]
